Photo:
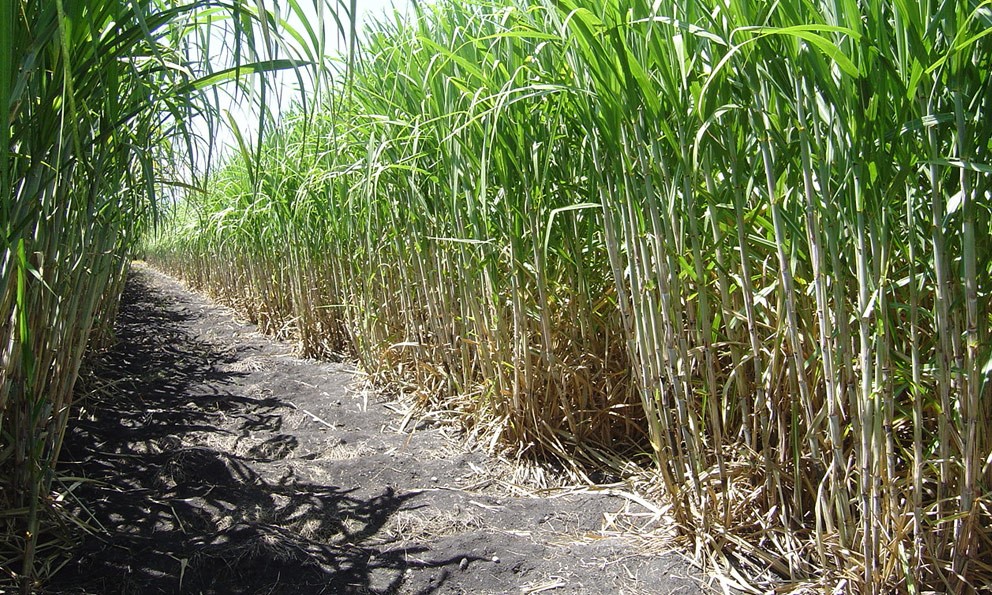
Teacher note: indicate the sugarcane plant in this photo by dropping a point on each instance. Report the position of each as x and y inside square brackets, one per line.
[104, 105]
[743, 244]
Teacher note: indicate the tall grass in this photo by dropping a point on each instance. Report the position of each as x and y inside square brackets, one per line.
[99, 100]
[744, 243]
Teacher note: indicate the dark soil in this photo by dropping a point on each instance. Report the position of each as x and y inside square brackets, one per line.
[214, 461]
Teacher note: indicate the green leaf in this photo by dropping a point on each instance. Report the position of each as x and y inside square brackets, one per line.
[809, 33]
[237, 72]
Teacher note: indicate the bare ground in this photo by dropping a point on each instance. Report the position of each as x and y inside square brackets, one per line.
[214, 461]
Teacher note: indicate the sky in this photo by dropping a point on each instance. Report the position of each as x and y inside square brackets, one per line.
[366, 9]
[285, 85]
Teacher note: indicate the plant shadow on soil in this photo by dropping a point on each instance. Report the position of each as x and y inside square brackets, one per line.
[172, 514]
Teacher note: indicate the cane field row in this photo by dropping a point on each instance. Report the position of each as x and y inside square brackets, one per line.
[743, 248]
[101, 102]
[745, 244]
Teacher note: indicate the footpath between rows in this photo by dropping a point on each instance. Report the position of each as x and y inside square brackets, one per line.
[217, 462]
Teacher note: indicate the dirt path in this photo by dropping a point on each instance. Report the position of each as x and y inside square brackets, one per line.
[219, 463]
